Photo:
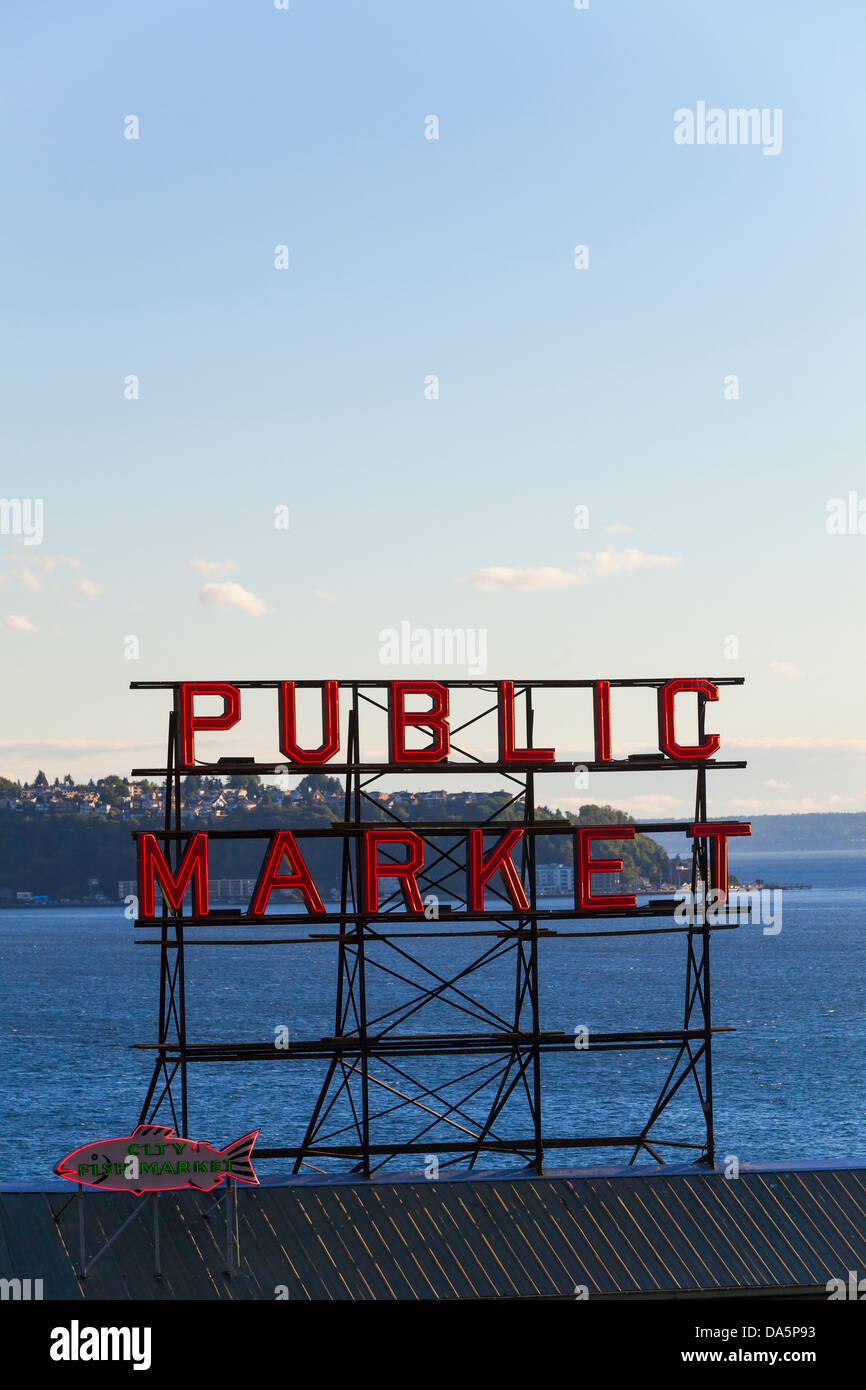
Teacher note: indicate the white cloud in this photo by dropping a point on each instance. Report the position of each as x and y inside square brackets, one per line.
[214, 567]
[601, 564]
[17, 624]
[778, 786]
[605, 563]
[783, 668]
[31, 575]
[234, 596]
[620, 527]
[53, 562]
[323, 593]
[501, 577]
[87, 586]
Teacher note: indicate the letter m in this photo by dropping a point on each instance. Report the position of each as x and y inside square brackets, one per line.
[742, 125]
[152, 866]
[449, 646]
[115, 1343]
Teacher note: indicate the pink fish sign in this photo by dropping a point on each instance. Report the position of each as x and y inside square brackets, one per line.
[155, 1159]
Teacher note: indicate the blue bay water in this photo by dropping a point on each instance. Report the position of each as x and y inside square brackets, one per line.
[77, 992]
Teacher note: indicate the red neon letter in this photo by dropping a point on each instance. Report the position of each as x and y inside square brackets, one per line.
[601, 720]
[717, 833]
[404, 872]
[190, 721]
[284, 843]
[436, 719]
[507, 751]
[586, 865]
[479, 869]
[330, 725]
[667, 738]
[193, 866]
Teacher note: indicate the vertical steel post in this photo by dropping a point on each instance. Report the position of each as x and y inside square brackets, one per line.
[529, 815]
[81, 1243]
[161, 1064]
[228, 1207]
[180, 965]
[157, 1264]
[701, 812]
[360, 927]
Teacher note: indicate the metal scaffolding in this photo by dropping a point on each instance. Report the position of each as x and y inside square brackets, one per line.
[390, 1088]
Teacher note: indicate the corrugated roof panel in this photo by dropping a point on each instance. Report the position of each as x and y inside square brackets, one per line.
[374, 1215]
[32, 1247]
[540, 1222]
[652, 1261]
[733, 1251]
[651, 1215]
[795, 1242]
[795, 1226]
[532, 1229]
[834, 1196]
[665, 1231]
[440, 1234]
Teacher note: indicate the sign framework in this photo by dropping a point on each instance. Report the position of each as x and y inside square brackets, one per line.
[378, 1065]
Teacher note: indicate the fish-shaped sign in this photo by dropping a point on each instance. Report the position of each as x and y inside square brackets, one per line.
[155, 1159]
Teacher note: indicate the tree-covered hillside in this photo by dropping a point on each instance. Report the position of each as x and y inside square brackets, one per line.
[43, 851]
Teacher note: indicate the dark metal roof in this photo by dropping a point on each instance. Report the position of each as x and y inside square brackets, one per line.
[663, 1232]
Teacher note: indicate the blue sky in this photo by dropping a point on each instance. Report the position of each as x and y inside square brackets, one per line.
[410, 257]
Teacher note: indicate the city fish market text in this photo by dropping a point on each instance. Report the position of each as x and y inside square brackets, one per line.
[155, 1159]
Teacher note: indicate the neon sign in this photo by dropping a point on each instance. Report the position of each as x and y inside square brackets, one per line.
[283, 865]
[432, 718]
[155, 1159]
[482, 879]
